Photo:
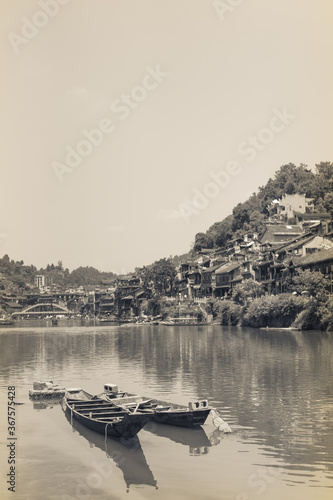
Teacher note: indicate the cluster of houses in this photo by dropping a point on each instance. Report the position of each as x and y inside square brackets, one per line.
[295, 236]
[121, 298]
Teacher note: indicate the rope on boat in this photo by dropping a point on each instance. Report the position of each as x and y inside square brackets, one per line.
[218, 421]
[116, 430]
[72, 416]
[106, 433]
[98, 395]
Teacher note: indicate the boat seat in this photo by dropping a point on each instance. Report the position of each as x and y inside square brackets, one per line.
[148, 403]
[109, 419]
[93, 414]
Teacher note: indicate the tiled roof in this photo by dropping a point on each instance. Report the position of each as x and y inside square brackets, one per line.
[283, 229]
[313, 215]
[316, 257]
[230, 266]
[286, 229]
[213, 268]
[295, 244]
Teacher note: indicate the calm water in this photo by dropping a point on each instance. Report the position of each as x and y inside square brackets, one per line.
[274, 388]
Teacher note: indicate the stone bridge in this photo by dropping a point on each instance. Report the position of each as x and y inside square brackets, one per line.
[44, 309]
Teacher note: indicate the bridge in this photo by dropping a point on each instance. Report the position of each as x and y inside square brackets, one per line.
[43, 309]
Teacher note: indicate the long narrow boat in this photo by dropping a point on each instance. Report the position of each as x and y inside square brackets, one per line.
[193, 415]
[103, 417]
[183, 322]
[126, 454]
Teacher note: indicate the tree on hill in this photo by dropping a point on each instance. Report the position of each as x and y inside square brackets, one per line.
[16, 277]
[161, 275]
[328, 203]
[203, 240]
[89, 276]
[250, 215]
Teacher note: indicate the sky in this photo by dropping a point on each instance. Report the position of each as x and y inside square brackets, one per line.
[128, 126]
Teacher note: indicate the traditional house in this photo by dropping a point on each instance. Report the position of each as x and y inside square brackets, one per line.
[277, 234]
[319, 261]
[10, 304]
[303, 246]
[124, 296]
[234, 246]
[194, 279]
[226, 277]
[207, 279]
[219, 256]
[188, 278]
[106, 304]
[247, 270]
[322, 221]
[284, 208]
[263, 271]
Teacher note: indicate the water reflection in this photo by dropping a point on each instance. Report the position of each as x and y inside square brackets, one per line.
[45, 405]
[126, 454]
[273, 387]
[198, 440]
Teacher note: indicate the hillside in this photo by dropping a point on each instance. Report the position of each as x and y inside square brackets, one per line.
[17, 278]
[250, 215]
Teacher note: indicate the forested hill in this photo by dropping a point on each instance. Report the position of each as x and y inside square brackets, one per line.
[251, 215]
[15, 277]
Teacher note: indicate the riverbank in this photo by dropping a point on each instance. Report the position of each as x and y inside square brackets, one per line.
[276, 311]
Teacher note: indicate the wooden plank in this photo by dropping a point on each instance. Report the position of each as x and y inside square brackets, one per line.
[102, 407]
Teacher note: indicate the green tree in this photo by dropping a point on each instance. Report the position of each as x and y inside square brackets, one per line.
[161, 274]
[328, 203]
[203, 240]
[247, 290]
[313, 283]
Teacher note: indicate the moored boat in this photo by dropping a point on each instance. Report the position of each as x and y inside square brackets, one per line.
[6, 321]
[183, 322]
[193, 415]
[126, 454]
[104, 417]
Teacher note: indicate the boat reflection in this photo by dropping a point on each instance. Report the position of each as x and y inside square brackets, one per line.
[46, 405]
[127, 455]
[199, 440]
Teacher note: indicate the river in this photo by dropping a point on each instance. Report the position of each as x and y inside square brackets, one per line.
[274, 388]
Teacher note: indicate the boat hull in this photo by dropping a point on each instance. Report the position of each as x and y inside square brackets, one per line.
[127, 426]
[169, 414]
[184, 418]
[185, 323]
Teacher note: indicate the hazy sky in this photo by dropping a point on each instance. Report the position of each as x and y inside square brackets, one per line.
[198, 106]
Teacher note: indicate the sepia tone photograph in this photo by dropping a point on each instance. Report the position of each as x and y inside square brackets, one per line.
[166, 250]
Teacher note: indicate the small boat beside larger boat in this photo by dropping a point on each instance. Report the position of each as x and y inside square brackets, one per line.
[193, 415]
[104, 417]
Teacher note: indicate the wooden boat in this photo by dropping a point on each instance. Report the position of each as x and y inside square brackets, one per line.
[6, 321]
[183, 322]
[126, 454]
[102, 416]
[193, 415]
